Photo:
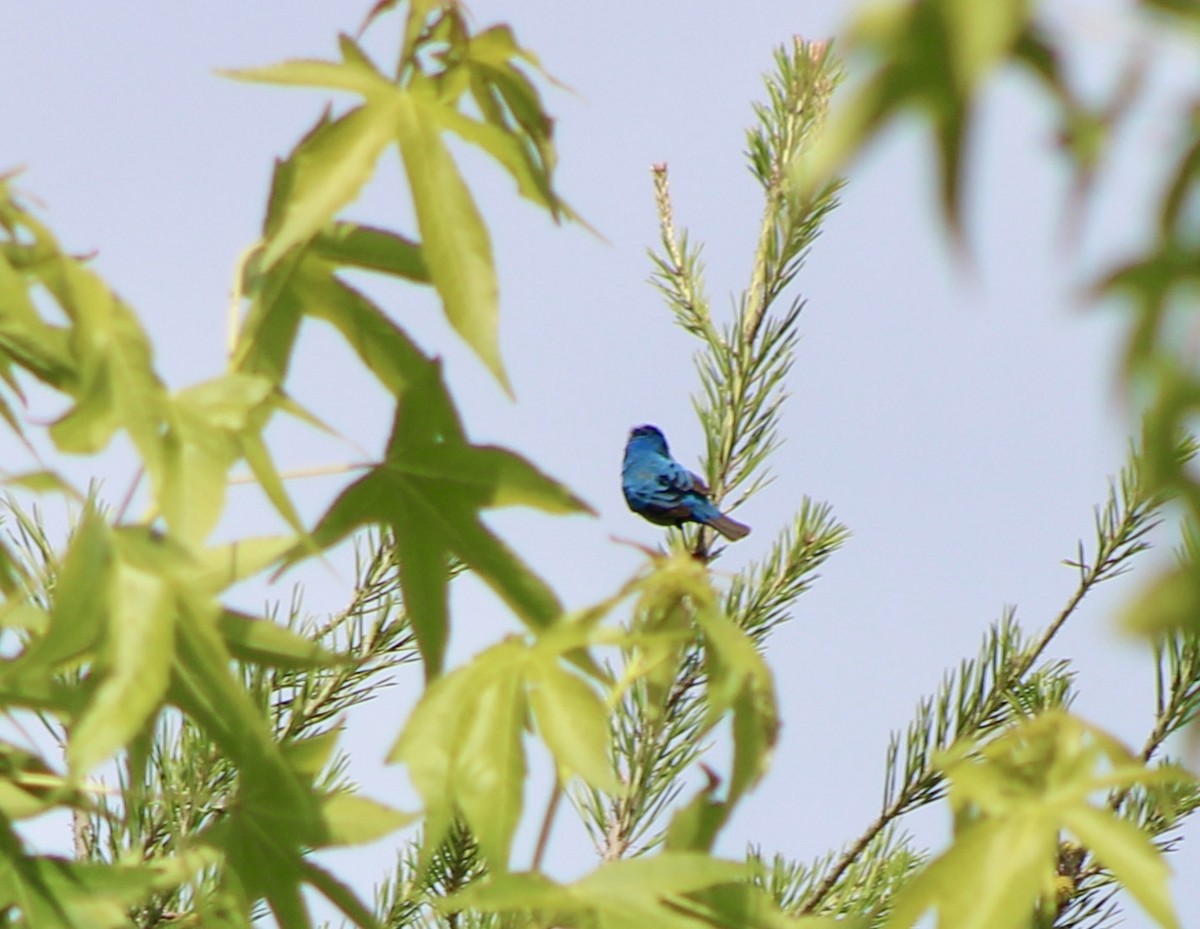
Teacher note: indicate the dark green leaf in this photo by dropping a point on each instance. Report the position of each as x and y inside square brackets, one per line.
[429, 492]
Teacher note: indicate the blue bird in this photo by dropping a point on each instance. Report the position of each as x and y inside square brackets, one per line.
[663, 491]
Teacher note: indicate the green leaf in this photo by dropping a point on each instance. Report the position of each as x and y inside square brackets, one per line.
[133, 671]
[1130, 855]
[43, 482]
[355, 820]
[659, 875]
[308, 756]
[83, 583]
[574, 723]
[329, 170]
[339, 895]
[749, 907]
[261, 641]
[990, 878]
[932, 58]
[694, 827]
[630, 894]
[429, 743]
[346, 243]
[25, 338]
[463, 748]
[220, 566]
[489, 771]
[455, 241]
[208, 422]
[52, 893]
[1169, 601]
[738, 678]
[429, 491]
[380, 343]
[355, 73]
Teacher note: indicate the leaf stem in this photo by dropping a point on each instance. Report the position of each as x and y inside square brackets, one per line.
[543, 840]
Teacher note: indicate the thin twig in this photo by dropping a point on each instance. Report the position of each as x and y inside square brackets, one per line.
[543, 839]
[1090, 576]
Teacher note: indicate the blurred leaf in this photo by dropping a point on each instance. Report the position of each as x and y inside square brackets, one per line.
[630, 894]
[309, 755]
[745, 906]
[43, 482]
[990, 878]
[677, 597]
[354, 73]
[29, 786]
[1170, 601]
[132, 670]
[209, 423]
[339, 895]
[694, 827]
[574, 722]
[931, 58]
[261, 641]
[489, 772]
[53, 893]
[115, 384]
[462, 747]
[220, 566]
[428, 491]
[1012, 799]
[76, 625]
[1130, 855]
[355, 820]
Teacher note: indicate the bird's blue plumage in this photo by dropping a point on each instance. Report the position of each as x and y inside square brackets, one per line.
[659, 488]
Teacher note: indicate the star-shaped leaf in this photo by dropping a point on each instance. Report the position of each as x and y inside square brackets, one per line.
[429, 491]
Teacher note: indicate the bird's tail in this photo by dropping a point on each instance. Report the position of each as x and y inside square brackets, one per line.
[730, 528]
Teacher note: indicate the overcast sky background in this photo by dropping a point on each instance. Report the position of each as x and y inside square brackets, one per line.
[961, 426]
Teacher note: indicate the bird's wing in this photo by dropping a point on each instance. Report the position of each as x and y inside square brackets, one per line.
[676, 478]
[699, 483]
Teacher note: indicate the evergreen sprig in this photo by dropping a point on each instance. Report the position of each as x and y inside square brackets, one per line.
[742, 366]
[1007, 678]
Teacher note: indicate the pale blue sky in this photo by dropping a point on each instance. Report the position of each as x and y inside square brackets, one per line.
[963, 428]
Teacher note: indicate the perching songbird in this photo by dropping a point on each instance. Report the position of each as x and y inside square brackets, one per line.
[663, 491]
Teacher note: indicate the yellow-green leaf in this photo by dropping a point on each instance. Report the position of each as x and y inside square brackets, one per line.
[455, 241]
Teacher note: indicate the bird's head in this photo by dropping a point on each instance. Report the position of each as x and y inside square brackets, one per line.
[649, 437]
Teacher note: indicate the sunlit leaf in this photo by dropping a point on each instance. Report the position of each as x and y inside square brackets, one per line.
[134, 667]
[261, 641]
[573, 721]
[354, 820]
[354, 73]
[1130, 855]
[329, 170]
[462, 748]
[454, 239]
[345, 243]
[489, 771]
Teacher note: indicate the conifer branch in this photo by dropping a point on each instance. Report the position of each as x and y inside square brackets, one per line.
[985, 693]
[742, 366]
